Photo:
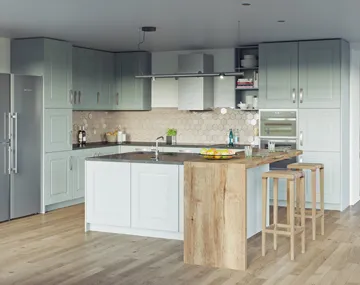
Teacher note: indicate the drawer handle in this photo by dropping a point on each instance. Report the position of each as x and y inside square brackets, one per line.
[301, 95]
[75, 97]
[301, 138]
[71, 97]
[79, 97]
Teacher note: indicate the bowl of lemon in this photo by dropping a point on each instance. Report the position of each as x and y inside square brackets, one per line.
[217, 154]
[111, 137]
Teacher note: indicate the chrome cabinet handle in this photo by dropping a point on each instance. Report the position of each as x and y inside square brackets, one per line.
[71, 97]
[5, 121]
[294, 95]
[71, 163]
[98, 96]
[5, 158]
[301, 95]
[117, 98]
[75, 97]
[301, 139]
[79, 97]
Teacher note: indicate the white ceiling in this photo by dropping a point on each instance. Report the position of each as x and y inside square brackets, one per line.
[182, 24]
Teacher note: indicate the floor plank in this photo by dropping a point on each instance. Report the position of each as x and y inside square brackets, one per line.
[53, 249]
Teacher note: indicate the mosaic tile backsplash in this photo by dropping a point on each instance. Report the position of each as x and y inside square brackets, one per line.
[192, 127]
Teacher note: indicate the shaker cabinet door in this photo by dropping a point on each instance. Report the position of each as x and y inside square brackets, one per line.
[278, 80]
[160, 185]
[58, 130]
[319, 74]
[58, 177]
[58, 74]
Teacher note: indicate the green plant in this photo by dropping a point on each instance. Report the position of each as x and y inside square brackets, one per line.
[171, 132]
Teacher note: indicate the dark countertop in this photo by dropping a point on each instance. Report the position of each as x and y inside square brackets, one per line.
[152, 144]
[147, 157]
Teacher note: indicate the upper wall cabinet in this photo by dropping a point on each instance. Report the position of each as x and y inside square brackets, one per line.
[132, 93]
[51, 59]
[302, 74]
[93, 79]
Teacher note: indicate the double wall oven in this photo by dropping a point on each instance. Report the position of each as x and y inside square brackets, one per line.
[280, 127]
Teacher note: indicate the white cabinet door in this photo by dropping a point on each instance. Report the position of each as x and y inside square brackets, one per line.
[319, 130]
[155, 197]
[332, 171]
[58, 177]
[108, 193]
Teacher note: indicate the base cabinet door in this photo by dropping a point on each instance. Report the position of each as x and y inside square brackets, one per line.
[58, 177]
[155, 197]
[108, 193]
[58, 126]
[332, 175]
[79, 172]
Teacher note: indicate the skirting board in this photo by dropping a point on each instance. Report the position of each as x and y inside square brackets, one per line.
[134, 232]
[64, 204]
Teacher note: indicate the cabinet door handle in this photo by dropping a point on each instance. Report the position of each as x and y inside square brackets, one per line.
[98, 96]
[301, 138]
[71, 97]
[301, 95]
[71, 163]
[117, 98]
[294, 95]
[75, 97]
[79, 97]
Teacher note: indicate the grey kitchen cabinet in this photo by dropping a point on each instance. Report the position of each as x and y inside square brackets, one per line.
[319, 130]
[58, 130]
[93, 77]
[51, 59]
[305, 74]
[58, 177]
[132, 93]
[78, 173]
[278, 75]
[320, 74]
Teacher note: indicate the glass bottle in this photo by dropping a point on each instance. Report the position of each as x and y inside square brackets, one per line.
[231, 138]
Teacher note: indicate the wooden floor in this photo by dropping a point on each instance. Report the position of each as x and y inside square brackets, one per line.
[53, 249]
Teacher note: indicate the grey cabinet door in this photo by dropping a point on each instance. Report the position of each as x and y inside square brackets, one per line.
[132, 93]
[58, 74]
[319, 74]
[107, 91]
[278, 75]
[58, 130]
[58, 177]
[79, 157]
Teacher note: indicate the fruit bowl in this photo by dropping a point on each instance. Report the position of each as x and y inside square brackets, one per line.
[217, 154]
[111, 137]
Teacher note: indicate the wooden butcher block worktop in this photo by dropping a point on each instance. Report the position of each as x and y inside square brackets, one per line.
[216, 208]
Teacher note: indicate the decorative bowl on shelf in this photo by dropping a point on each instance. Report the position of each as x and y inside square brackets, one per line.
[217, 154]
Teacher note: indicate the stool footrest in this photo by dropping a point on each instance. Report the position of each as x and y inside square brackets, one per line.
[273, 229]
[308, 214]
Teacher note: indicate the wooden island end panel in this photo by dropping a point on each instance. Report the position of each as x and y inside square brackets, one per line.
[215, 215]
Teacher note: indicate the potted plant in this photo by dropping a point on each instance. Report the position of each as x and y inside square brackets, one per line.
[171, 136]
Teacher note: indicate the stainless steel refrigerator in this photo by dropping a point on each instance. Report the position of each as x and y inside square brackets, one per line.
[20, 140]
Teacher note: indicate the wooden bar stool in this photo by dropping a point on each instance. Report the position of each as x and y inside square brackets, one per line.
[290, 229]
[313, 214]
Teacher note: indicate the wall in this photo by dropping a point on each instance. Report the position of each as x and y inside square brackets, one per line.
[354, 123]
[193, 127]
[4, 55]
[165, 90]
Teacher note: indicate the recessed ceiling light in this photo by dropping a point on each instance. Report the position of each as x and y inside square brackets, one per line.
[246, 4]
[281, 21]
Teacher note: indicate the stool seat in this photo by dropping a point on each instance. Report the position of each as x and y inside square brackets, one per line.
[308, 166]
[287, 174]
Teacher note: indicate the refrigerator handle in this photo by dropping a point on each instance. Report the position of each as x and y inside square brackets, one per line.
[15, 117]
[5, 128]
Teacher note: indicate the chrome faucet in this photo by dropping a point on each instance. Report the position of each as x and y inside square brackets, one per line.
[157, 147]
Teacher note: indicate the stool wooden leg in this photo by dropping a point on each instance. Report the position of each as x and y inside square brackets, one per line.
[292, 221]
[264, 206]
[298, 201]
[322, 201]
[288, 201]
[276, 187]
[313, 210]
[302, 195]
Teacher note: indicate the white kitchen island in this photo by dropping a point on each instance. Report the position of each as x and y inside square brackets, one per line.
[132, 194]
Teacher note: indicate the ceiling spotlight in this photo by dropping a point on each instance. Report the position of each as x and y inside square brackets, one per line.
[281, 21]
[221, 75]
[246, 4]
